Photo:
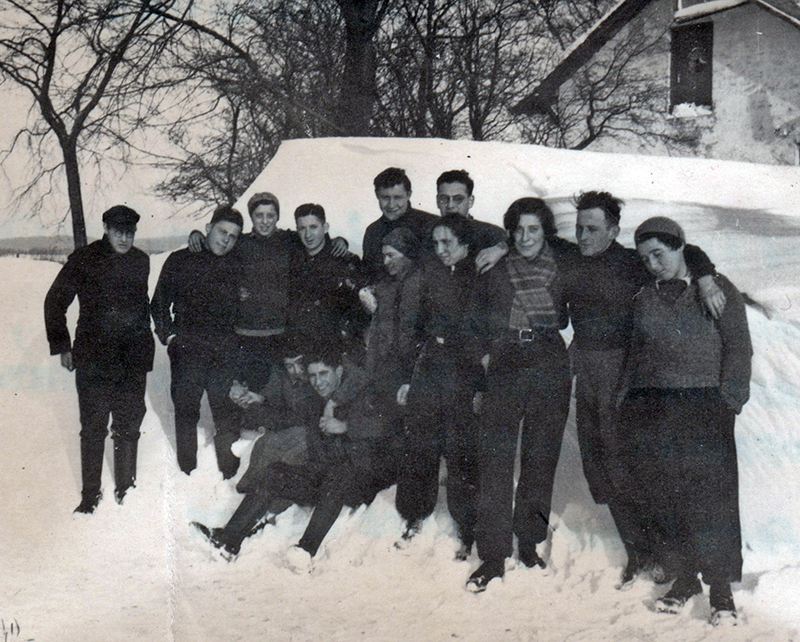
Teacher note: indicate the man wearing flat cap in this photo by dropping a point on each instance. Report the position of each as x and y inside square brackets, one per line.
[113, 348]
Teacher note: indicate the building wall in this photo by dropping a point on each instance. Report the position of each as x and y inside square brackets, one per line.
[756, 90]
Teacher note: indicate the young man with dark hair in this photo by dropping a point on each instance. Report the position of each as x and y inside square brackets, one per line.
[454, 196]
[439, 397]
[324, 286]
[600, 280]
[113, 349]
[393, 191]
[194, 309]
[347, 449]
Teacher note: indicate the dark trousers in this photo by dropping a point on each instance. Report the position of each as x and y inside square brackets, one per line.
[101, 396]
[440, 422]
[528, 382]
[204, 365]
[326, 487]
[257, 356]
[678, 450]
[598, 374]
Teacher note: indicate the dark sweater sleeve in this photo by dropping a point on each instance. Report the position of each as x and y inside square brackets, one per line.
[487, 235]
[698, 262]
[409, 323]
[58, 299]
[163, 298]
[737, 349]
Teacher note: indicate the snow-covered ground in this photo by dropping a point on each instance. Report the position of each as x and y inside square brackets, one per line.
[138, 572]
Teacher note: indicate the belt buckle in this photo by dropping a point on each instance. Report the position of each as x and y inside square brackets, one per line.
[526, 335]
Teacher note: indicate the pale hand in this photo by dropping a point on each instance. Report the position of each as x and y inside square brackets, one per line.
[712, 295]
[489, 257]
[66, 361]
[339, 246]
[332, 426]
[196, 242]
[368, 300]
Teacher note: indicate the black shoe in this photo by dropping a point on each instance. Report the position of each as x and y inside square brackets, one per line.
[119, 493]
[530, 558]
[629, 573]
[683, 589]
[479, 580]
[214, 536]
[411, 530]
[723, 610]
[89, 502]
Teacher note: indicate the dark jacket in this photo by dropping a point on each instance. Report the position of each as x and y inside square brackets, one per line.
[324, 295]
[368, 433]
[266, 264]
[395, 335]
[196, 295]
[599, 290]
[113, 332]
[415, 220]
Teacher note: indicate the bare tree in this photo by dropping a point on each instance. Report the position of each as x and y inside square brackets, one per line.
[84, 63]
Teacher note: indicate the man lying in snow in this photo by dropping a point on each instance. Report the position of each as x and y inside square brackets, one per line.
[348, 451]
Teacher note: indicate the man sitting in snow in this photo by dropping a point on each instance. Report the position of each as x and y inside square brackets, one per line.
[347, 453]
[113, 349]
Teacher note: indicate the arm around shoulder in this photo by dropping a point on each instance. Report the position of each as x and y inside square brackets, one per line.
[737, 348]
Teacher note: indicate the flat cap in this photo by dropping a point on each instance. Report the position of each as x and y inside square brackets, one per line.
[120, 215]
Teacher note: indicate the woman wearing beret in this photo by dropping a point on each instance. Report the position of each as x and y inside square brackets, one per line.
[686, 379]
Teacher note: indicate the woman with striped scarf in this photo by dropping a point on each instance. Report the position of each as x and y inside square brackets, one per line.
[517, 314]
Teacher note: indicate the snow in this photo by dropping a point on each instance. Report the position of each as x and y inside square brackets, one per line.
[706, 8]
[690, 110]
[138, 572]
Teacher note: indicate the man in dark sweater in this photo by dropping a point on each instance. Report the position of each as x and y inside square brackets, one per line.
[113, 349]
[194, 309]
[440, 421]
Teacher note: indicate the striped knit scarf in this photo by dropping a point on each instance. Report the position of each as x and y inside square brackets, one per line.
[532, 306]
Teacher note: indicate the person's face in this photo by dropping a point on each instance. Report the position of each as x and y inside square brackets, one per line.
[121, 239]
[529, 235]
[452, 198]
[594, 232]
[393, 260]
[393, 201]
[662, 261]
[221, 237]
[324, 379]
[265, 219]
[312, 233]
[294, 368]
[447, 247]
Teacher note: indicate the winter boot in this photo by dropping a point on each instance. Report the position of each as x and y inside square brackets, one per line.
[629, 573]
[89, 502]
[411, 530]
[216, 537]
[723, 610]
[91, 474]
[529, 557]
[124, 467]
[683, 589]
[489, 570]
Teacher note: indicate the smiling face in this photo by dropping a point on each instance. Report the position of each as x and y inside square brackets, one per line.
[529, 235]
[453, 198]
[662, 261]
[120, 238]
[393, 201]
[593, 231]
[448, 248]
[312, 233]
[221, 237]
[393, 260]
[265, 219]
[323, 378]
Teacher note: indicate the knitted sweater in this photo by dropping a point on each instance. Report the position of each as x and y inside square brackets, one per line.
[676, 345]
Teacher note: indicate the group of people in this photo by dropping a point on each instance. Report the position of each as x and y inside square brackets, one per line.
[442, 341]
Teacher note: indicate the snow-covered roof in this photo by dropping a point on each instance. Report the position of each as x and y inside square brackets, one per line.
[579, 53]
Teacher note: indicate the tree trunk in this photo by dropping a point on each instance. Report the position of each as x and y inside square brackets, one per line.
[72, 170]
[358, 92]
